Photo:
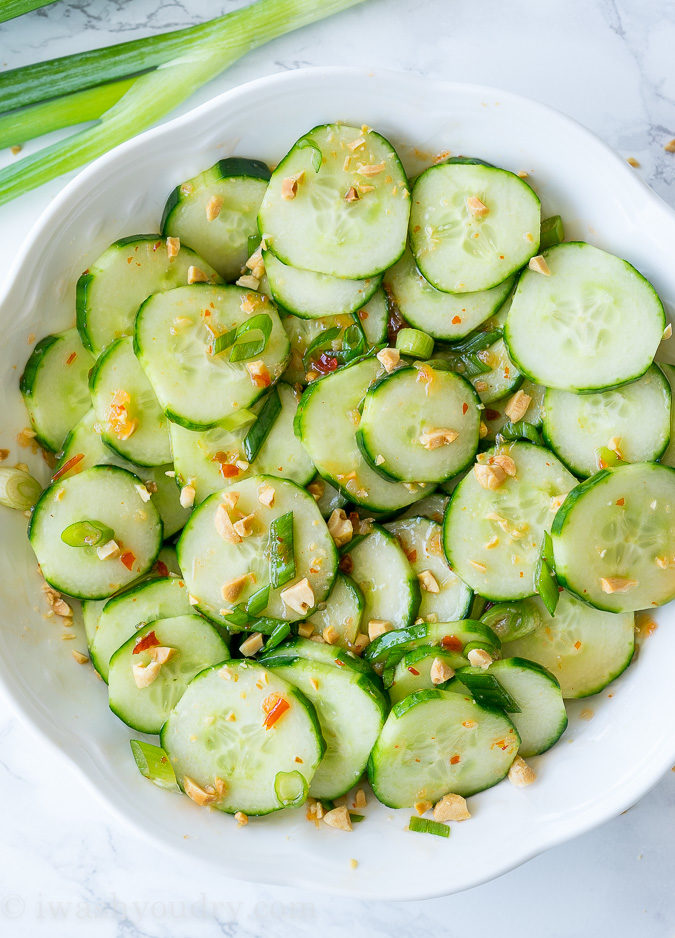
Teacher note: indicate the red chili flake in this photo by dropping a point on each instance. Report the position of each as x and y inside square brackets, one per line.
[621, 501]
[325, 363]
[577, 645]
[274, 706]
[128, 558]
[454, 759]
[148, 641]
[339, 663]
[414, 671]
[465, 407]
[71, 358]
[156, 245]
[67, 466]
[456, 320]
[451, 643]
[129, 260]
[162, 568]
[363, 314]
[491, 414]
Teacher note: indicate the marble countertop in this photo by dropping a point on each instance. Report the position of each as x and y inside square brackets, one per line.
[67, 868]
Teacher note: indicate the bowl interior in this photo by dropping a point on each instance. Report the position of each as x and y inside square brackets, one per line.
[601, 765]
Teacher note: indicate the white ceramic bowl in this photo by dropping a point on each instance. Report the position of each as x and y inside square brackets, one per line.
[601, 766]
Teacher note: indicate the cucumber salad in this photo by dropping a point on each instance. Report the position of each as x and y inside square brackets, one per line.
[356, 477]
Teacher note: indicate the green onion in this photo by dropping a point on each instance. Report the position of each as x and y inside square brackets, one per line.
[18, 489]
[260, 430]
[320, 342]
[545, 580]
[552, 232]
[356, 818]
[242, 351]
[87, 534]
[606, 457]
[190, 58]
[510, 621]
[153, 763]
[238, 617]
[290, 788]
[317, 155]
[474, 366]
[415, 343]
[476, 342]
[282, 558]
[521, 430]
[423, 825]
[486, 689]
[547, 551]
[257, 601]
[12, 8]
[282, 631]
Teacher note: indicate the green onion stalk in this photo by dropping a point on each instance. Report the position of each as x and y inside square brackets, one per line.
[181, 63]
[11, 8]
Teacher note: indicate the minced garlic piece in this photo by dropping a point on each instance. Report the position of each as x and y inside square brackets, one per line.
[517, 406]
[305, 630]
[370, 169]
[378, 627]
[539, 265]
[109, 551]
[78, 656]
[241, 818]
[440, 436]
[340, 527]
[299, 597]
[451, 808]
[351, 195]
[56, 603]
[520, 773]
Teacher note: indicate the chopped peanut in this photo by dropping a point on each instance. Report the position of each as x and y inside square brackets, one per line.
[670, 146]
[252, 644]
[451, 808]
[338, 818]
[4, 454]
[520, 773]
[213, 207]
[440, 436]
[330, 635]
[231, 590]
[477, 208]
[289, 186]
[224, 527]
[482, 431]
[378, 627]
[490, 477]
[305, 630]
[145, 674]
[360, 798]
[504, 462]
[241, 818]
[479, 658]
[187, 496]
[517, 406]
[56, 603]
[256, 264]
[351, 195]
[196, 275]
[617, 584]
[143, 493]
[422, 807]
[248, 281]
[539, 265]
[340, 527]
[428, 581]
[440, 671]
[172, 247]
[245, 526]
[360, 643]
[162, 653]
[299, 597]
[633, 162]
[259, 373]
[79, 657]
[390, 358]
[316, 488]
[266, 495]
[201, 796]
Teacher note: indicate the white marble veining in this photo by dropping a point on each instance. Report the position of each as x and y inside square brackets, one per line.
[66, 867]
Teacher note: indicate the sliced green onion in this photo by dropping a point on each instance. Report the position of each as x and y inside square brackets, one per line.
[320, 342]
[223, 341]
[242, 351]
[18, 489]
[87, 534]
[282, 631]
[552, 232]
[486, 689]
[153, 763]
[317, 155]
[424, 825]
[415, 343]
[606, 457]
[281, 552]
[545, 580]
[474, 366]
[290, 788]
[253, 244]
[258, 601]
[260, 430]
[12, 8]
[510, 621]
[356, 818]
[547, 551]
[476, 342]
[238, 617]
[521, 430]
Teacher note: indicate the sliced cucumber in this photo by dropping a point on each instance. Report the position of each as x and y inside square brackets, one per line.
[321, 652]
[593, 323]
[349, 212]
[584, 648]
[492, 537]
[55, 388]
[614, 538]
[374, 317]
[437, 741]
[432, 507]
[207, 459]
[250, 752]
[633, 420]
[414, 430]
[351, 711]
[108, 495]
[422, 543]
[215, 212]
[450, 636]
[413, 671]
[328, 498]
[126, 408]
[541, 718]
[472, 226]
[444, 316]
[668, 457]
[194, 644]
[510, 621]
[326, 424]
[343, 610]
[122, 616]
[127, 273]
[174, 341]
[312, 296]
[389, 586]
[209, 562]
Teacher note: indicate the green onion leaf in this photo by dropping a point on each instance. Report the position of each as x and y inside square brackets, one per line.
[224, 341]
[259, 432]
[18, 489]
[242, 351]
[290, 788]
[87, 534]
[474, 366]
[606, 457]
[476, 342]
[423, 825]
[513, 620]
[238, 617]
[257, 601]
[356, 818]
[545, 579]
[552, 232]
[320, 342]
[317, 155]
[414, 342]
[282, 557]
[12, 8]
[282, 631]
[486, 689]
[521, 430]
[153, 763]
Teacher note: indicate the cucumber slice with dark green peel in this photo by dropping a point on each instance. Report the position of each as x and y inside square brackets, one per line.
[511, 621]
[207, 459]
[591, 324]
[351, 710]
[390, 588]
[189, 644]
[541, 718]
[444, 316]
[127, 273]
[442, 593]
[319, 651]
[176, 341]
[326, 424]
[237, 729]
[431, 506]
[108, 495]
[343, 610]
[497, 421]
[584, 648]
[312, 296]
[337, 203]
[215, 212]
[668, 457]
[327, 497]
[419, 426]
[211, 563]
[55, 388]
[438, 741]
[632, 421]
[614, 538]
[131, 420]
[319, 346]
[492, 537]
[84, 448]
[413, 671]
[122, 615]
[390, 647]
[472, 226]
[374, 317]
